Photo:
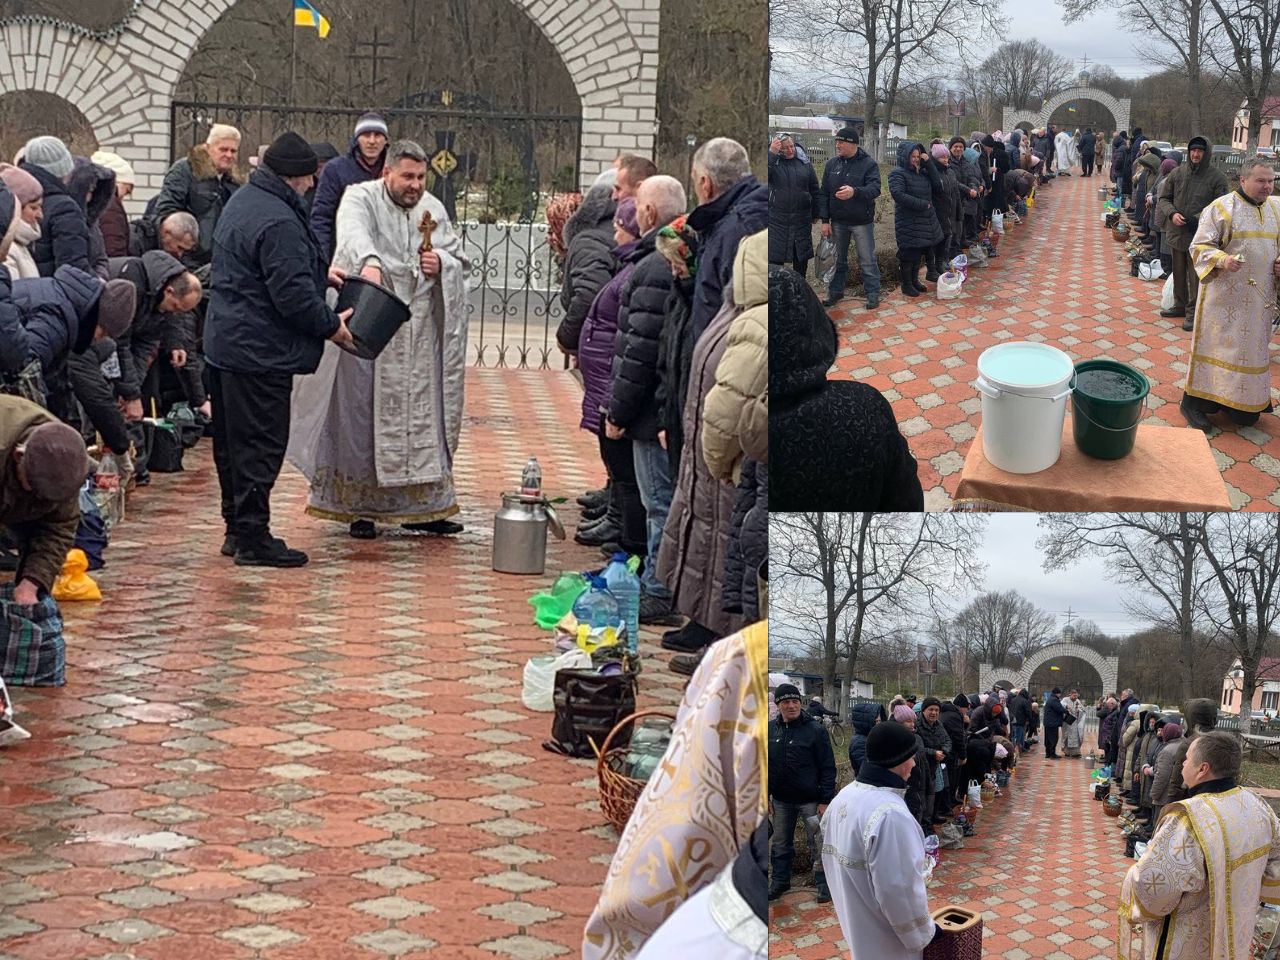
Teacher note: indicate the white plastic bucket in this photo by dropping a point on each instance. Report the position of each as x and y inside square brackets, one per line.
[1024, 389]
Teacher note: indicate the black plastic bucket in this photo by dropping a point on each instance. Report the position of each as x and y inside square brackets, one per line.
[379, 313]
[1107, 426]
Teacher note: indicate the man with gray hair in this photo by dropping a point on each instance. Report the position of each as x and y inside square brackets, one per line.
[377, 439]
[201, 183]
[634, 408]
[732, 204]
[178, 235]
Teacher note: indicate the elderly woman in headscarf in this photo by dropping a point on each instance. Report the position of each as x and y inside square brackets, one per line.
[1159, 219]
[29, 194]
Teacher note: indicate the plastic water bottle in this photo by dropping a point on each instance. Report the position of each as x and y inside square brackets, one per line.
[597, 607]
[531, 479]
[625, 587]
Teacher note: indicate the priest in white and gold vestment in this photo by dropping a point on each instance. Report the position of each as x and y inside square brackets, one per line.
[1236, 255]
[377, 438]
[1215, 855]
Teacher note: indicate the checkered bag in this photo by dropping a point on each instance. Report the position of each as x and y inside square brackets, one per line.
[32, 650]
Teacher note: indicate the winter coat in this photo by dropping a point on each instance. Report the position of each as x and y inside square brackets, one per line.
[1168, 774]
[1088, 146]
[1187, 190]
[995, 726]
[1106, 725]
[1147, 169]
[138, 346]
[980, 756]
[64, 232]
[863, 718]
[952, 721]
[794, 202]
[93, 187]
[835, 444]
[970, 178]
[748, 542]
[44, 531]
[915, 223]
[15, 343]
[675, 358]
[633, 399]
[338, 174]
[589, 263]
[1001, 167]
[695, 539]
[193, 184]
[58, 314]
[736, 418]
[1054, 711]
[722, 224]
[267, 312]
[948, 202]
[96, 396]
[935, 738]
[114, 224]
[860, 172]
[919, 781]
[1018, 185]
[1020, 709]
[802, 768]
[597, 346]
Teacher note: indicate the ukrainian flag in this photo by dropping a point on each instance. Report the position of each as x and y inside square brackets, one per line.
[305, 15]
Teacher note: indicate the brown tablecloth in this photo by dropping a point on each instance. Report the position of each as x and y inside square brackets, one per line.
[1170, 468]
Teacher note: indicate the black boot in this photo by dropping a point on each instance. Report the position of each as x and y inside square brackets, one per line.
[908, 267]
[1195, 416]
[931, 267]
[916, 264]
[824, 892]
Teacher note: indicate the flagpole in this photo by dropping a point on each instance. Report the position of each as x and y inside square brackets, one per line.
[293, 57]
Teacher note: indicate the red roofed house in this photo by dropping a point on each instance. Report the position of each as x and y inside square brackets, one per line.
[1268, 134]
[1266, 695]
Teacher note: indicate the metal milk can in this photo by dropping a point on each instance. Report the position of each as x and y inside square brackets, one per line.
[520, 534]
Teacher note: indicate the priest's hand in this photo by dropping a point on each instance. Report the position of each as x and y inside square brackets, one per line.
[1232, 265]
[342, 336]
[337, 277]
[371, 273]
[430, 262]
[1275, 268]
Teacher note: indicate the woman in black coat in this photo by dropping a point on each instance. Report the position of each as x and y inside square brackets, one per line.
[834, 444]
[64, 231]
[914, 185]
[1000, 166]
[793, 204]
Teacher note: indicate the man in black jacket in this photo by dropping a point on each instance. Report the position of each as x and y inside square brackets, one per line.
[802, 781]
[847, 209]
[634, 409]
[954, 717]
[267, 322]
[1020, 708]
[1054, 711]
[202, 183]
[794, 199]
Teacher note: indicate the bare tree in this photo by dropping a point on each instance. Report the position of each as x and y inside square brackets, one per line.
[1179, 34]
[841, 576]
[1022, 73]
[1158, 553]
[998, 627]
[1244, 553]
[1250, 30]
[875, 46]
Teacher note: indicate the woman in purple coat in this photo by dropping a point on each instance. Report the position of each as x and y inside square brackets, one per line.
[595, 360]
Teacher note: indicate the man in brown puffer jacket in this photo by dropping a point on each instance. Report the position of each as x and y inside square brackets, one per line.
[1190, 188]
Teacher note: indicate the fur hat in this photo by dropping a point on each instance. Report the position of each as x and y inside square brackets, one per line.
[49, 153]
[889, 744]
[55, 461]
[116, 164]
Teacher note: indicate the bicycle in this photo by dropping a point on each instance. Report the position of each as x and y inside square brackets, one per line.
[836, 729]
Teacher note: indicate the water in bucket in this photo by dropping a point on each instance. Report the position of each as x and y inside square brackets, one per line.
[1108, 384]
[1025, 365]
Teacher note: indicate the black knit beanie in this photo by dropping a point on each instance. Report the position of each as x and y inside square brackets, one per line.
[930, 702]
[291, 156]
[889, 744]
[961, 700]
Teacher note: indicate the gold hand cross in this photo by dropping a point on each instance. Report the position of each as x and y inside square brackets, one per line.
[427, 227]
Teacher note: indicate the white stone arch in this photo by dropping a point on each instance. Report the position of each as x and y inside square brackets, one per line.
[1108, 667]
[1119, 108]
[123, 78]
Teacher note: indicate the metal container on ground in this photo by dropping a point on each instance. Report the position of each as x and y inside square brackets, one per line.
[520, 534]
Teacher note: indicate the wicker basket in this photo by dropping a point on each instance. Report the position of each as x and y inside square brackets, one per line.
[619, 792]
[961, 937]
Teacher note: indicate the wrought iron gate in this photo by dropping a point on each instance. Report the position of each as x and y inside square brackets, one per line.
[495, 173]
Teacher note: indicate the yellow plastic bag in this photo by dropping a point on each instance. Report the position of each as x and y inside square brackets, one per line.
[74, 583]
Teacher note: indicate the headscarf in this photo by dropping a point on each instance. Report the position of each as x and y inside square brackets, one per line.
[678, 242]
[970, 155]
[1167, 165]
[559, 209]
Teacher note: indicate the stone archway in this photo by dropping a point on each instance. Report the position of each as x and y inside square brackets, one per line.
[1119, 108]
[1108, 667]
[123, 78]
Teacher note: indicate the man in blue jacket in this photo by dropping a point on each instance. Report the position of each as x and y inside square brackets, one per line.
[364, 161]
[267, 322]
[847, 209]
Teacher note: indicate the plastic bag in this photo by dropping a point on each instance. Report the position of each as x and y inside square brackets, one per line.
[975, 794]
[824, 266]
[997, 221]
[1168, 300]
[540, 677]
[1153, 270]
[949, 285]
[10, 732]
[74, 582]
[550, 608]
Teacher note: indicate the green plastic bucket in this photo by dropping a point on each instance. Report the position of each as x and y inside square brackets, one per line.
[1106, 407]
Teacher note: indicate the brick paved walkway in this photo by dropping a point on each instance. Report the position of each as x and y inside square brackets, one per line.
[330, 762]
[1059, 279]
[1045, 871]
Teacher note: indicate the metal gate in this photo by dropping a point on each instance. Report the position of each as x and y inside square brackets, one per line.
[495, 172]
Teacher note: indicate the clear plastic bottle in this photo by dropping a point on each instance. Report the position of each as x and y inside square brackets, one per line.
[531, 479]
[597, 607]
[625, 587]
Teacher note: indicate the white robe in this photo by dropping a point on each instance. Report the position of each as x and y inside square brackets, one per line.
[875, 864]
[1065, 150]
[376, 438]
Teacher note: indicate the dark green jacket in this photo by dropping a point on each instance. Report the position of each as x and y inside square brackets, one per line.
[1188, 190]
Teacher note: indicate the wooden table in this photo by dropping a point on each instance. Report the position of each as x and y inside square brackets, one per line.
[1170, 468]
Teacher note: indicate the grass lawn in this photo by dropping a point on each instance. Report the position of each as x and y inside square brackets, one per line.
[1260, 774]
